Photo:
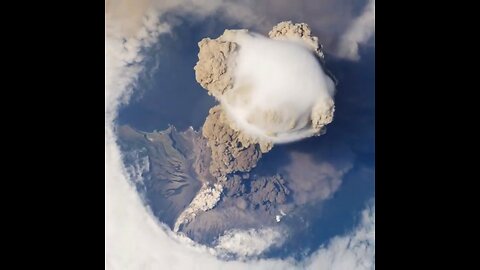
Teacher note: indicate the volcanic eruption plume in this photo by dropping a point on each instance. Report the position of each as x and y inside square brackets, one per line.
[271, 90]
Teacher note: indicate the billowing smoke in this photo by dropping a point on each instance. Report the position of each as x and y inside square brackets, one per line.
[134, 239]
[281, 93]
[272, 89]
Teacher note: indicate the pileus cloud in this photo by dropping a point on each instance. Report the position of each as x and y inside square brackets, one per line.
[134, 239]
[280, 92]
[272, 89]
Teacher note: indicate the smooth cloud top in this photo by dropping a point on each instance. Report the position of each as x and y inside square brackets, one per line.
[279, 89]
[273, 90]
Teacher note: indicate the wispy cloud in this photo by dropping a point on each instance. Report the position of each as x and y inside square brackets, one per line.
[361, 30]
[134, 239]
[352, 251]
[247, 243]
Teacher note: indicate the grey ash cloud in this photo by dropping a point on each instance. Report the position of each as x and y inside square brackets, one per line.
[179, 162]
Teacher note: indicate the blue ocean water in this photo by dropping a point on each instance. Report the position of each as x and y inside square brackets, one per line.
[168, 94]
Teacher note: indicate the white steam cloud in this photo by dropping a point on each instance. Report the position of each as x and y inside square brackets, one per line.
[279, 87]
[360, 31]
[245, 243]
[134, 239]
[349, 252]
